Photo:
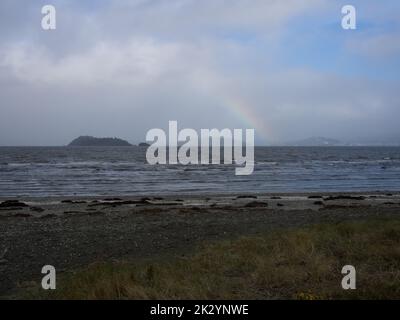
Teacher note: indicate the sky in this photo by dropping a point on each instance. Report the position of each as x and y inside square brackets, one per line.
[118, 68]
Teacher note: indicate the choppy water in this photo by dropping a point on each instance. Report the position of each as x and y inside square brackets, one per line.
[63, 171]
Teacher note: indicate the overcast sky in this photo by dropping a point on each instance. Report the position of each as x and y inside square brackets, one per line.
[119, 68]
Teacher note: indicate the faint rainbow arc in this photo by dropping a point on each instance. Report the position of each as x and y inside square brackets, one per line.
[245, 113]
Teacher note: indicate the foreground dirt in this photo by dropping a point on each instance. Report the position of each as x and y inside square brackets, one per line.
[69, 234]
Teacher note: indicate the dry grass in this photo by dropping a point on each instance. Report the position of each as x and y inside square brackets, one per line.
[293, 264]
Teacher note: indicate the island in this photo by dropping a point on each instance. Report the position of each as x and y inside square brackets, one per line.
[144, 144]
[88, 141]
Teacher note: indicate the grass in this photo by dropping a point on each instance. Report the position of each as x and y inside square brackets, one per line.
[287, 264]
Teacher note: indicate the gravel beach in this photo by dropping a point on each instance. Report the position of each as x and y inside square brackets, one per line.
[70, 233]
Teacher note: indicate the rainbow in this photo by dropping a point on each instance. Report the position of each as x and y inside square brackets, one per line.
[246, 114]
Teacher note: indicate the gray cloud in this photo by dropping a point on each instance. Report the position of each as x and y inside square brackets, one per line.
[120, 68]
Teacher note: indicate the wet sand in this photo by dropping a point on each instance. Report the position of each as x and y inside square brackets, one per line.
[70, 233]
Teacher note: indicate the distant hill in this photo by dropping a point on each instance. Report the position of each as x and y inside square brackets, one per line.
[316, 142]
[88, 141]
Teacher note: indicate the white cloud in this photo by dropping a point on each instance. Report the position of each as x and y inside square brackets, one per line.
[138, 61]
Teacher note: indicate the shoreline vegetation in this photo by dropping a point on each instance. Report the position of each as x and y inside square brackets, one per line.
[301, 264]
[242, 246]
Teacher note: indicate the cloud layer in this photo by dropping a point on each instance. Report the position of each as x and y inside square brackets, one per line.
[119, 68]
